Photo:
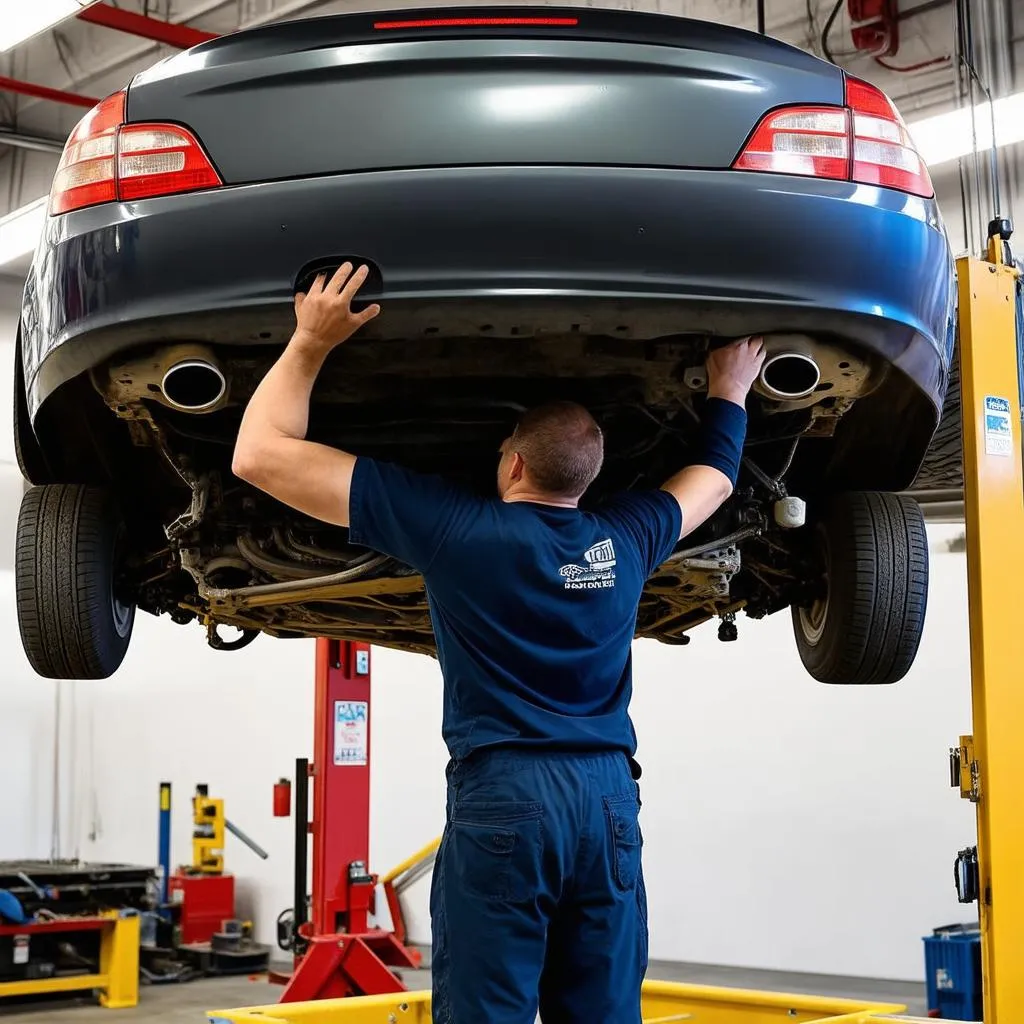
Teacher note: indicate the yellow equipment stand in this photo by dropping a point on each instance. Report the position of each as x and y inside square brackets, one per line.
[991, 763]
[118, 978]
[207, 833]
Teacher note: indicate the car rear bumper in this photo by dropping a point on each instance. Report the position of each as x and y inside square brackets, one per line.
[636, 251]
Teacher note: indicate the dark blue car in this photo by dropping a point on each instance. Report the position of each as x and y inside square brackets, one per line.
[554, 202]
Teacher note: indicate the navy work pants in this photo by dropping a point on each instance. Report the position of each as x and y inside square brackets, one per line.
[538, 898]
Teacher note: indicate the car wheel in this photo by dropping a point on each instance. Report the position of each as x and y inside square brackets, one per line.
[864, 624]
[70, 546]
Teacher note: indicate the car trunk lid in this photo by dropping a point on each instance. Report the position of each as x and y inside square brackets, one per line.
[468, 87]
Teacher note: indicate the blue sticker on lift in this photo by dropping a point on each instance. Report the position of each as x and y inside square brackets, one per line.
[998, 432]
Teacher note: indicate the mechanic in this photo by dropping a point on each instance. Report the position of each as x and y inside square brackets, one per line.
[537, 898]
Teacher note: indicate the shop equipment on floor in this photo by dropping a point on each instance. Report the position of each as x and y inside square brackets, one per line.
[70, 926]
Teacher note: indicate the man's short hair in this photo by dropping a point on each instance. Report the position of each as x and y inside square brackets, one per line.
[562, 446]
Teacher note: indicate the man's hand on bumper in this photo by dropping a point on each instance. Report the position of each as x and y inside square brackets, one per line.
[324, 317]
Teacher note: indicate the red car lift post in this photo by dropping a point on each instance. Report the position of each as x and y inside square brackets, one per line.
[338, 953]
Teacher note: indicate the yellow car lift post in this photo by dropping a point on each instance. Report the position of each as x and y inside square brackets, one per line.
[989, 764]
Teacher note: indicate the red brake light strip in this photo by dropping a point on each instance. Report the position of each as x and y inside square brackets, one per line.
[475, 22]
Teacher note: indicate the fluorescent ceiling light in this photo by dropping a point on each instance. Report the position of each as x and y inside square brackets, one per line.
[20, 230]
[949, 136]
[23, 19]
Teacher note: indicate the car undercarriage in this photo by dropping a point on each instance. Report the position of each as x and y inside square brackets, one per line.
[229, 556]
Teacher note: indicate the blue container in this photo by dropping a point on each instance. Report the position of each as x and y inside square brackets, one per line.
[952, 957]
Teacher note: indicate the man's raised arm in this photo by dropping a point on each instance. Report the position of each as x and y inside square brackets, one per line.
[271, 451]
[702, 487]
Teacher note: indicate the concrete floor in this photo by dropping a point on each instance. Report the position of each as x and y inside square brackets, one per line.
[186, 1004]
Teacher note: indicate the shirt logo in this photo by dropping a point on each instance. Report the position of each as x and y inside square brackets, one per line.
[598, 573]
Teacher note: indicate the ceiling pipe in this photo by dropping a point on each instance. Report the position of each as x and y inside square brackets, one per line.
[167, 32]
[44, 92]
[35, 142]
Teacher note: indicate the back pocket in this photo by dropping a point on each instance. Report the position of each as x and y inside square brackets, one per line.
[495, 851]
[623, 813]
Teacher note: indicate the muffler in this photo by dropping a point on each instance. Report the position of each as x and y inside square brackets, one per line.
[789, 376]
[193, 385]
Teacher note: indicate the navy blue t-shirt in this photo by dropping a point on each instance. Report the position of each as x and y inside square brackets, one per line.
[533, 606]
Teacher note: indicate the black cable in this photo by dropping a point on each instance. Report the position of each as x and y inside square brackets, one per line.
[760, 16]
[993, 158]
[968, 58]
[968, 228]
[827, 29]
[965, 39]
[812, 25]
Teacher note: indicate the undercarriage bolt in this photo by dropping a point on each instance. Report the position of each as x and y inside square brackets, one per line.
[727, 631]
[790, 512]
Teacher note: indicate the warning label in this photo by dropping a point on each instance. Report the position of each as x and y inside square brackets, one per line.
[351, 732]
[998, 431]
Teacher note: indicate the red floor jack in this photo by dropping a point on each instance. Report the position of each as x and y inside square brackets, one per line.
[336, 952]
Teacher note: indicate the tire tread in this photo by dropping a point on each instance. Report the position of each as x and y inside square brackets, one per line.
[878, 591]
[63, 553]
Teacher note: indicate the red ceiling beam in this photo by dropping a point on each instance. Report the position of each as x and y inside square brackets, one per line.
[181, 36]
[44, 92]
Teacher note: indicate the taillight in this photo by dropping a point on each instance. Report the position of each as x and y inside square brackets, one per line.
[800, 140]
[106, 160]
[883, 153]
[865, 141]
[158, 159]
[86, 173]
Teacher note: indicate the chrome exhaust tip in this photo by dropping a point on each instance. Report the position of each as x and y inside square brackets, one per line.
[788, 376]
[193, 385]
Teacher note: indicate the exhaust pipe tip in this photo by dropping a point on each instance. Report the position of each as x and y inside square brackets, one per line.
[193, 385]
[789, 376]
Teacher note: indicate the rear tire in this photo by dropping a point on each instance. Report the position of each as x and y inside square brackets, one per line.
[865, 626]
[70, 543]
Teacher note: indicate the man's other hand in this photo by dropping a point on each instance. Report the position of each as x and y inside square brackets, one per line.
[324, 317]
[733, 369]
